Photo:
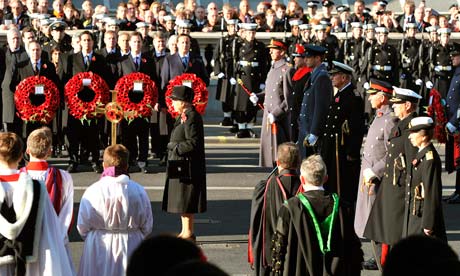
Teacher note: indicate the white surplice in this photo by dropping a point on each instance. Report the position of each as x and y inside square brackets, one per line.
[114, 217]
[66, 212]
[51, 258]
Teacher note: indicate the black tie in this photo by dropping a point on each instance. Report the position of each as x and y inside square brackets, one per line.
[36, 69]
[137, 63]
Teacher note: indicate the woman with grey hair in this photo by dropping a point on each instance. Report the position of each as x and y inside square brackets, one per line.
[172, 44]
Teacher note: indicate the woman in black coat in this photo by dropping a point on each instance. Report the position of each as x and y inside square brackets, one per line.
[185, 188]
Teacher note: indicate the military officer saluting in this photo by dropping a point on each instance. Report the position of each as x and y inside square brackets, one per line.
[409, 50]
[381, 60]
[385, 221]
[343, 131]
[440, 64]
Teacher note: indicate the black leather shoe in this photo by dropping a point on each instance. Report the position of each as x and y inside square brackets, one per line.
[244, 133]
[96, 168]
[72, 168]
[233, 129]
[226, 122]
[370, 264]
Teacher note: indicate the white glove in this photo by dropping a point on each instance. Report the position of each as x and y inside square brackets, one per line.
[452, 129]
[429, 84]
[312, 139]
[419, 82]
[271, 118]
[253, 98]
[437, 69]
[221, 75]
[368, 175]
[232, 81]
[366, 85]
[262, 86]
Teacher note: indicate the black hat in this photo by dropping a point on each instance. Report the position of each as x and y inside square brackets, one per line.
[379, 86]
[455, 50]
[182, 93]
[419, 123]
[58, 25]
[340, 68]
[314, 50]
[327, 3]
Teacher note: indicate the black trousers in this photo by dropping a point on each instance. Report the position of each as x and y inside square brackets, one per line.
[135, 137]
[83, 136]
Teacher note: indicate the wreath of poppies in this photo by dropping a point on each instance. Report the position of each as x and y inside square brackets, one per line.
[142, 109]
[200, 100]
[437, 111]
[82, 110]
[28, 112]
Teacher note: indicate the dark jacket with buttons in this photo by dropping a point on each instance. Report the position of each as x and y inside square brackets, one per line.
[385, 222]
[423, 197]
[382, 55]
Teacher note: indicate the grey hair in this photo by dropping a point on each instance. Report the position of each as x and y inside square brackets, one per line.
[171, 39]
[314, 170]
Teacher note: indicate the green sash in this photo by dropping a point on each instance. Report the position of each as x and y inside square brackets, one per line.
[325, 227]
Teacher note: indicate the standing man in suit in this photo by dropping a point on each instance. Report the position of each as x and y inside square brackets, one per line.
[160, 120]
[17, 16]
[315, 104]
[36, 66]
[14, 54]
[135, 134]
[83, 135]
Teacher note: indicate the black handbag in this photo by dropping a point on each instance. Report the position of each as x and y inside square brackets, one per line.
[179, 169]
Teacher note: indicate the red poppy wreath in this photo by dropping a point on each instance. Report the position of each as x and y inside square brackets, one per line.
[86, 110]
[143, 108]
[43, 113]
[200, 99]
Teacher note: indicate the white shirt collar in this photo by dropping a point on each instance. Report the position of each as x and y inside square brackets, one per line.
[308, 187]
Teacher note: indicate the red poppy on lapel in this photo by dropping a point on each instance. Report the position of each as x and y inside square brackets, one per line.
[144, 60]
[337, 100]
[189, 64]
[93, 58]
[183, 118]
[415, 162]
[44, 66]
[396, 133]
[379, 114]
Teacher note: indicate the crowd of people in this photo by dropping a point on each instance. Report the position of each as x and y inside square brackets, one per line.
[320, 97]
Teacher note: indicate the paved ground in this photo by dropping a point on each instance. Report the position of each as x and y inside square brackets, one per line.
[232, 173]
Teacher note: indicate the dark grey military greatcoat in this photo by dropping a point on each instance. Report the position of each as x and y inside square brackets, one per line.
[386, 217]
[278, 90]
[374, 157]
[315, 106]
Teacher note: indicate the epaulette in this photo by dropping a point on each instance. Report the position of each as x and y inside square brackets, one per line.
[429, 155]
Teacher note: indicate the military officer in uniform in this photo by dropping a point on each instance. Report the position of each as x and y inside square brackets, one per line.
[453, 125]
[305, 33]
[295, 38]
[278, 90]
[318, 93]
[251, 68]
[299, 79]
[351, 46]
[328, 41]
[343, 134]
[381, 60]
[224, 70]
[385, 221]
[374, 151]
[59, 38]
[409, 48]
[423, 213]
[440, 64]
